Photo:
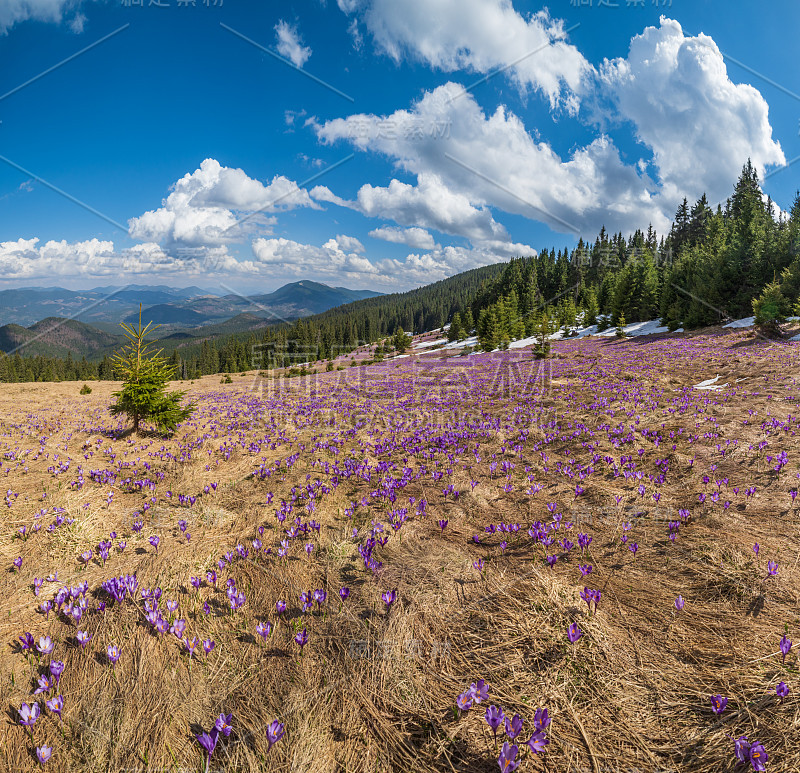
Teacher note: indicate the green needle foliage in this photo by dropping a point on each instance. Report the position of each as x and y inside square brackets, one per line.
[145, 375]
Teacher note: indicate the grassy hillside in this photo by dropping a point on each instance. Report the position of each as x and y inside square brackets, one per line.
[486, 518]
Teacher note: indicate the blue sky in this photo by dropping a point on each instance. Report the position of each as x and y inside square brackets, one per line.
[371, 143]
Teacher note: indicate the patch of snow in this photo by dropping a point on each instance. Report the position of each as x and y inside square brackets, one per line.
[746, 322]
[471, 341]
[651, 327]
[425, 344]
[710, 384]
[581, 333]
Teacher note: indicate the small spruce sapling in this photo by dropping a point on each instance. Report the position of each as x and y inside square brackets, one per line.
[145, 375]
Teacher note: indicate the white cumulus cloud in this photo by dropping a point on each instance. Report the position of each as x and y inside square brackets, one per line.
[428, 204]
[287, 258]
[415, 237]
[487, 161]
[289, 44]
[700, 125]
[478, 35]
[203, 206]
[14, 11]
[695, 125]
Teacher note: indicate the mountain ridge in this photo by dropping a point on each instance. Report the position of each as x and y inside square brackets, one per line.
[53, 321]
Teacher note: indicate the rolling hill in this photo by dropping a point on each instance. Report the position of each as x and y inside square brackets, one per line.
[57, 337]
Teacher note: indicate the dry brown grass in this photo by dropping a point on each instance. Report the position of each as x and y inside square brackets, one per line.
[375, 691]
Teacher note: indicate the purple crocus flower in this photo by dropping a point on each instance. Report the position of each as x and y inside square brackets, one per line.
[43, 753]
[574, 633]
[758, 756]
[223, 724]
[45, 645]
[513, 726]
[27, 641]
[464, 701]
[56, 669]
[264, 630]
[113, 654]
[319, 597]
[83, 637]
[541, 720]
[782, 690]
[209, 742]
[389, 598]
[46, 684]
[301, 639]
[208, 645]
[479, 691]
[741, 748]
[494, 718]
[591, 597]
[154, 541]
[537, 742]
[275, 731]
[772, 568]
[679, 603]
[718, 703]
[508, 758]
[344, 593]
[785, 645]
[56, 705]
[17, 562]
[280, 607]
[29, 714]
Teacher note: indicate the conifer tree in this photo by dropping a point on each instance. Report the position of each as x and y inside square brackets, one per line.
[400, 340]
[770, 309]
[456, 332]
[542, 348]
[145, 375]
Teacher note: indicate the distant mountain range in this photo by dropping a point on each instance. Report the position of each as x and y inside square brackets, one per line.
[33, 317]
[104, 306]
